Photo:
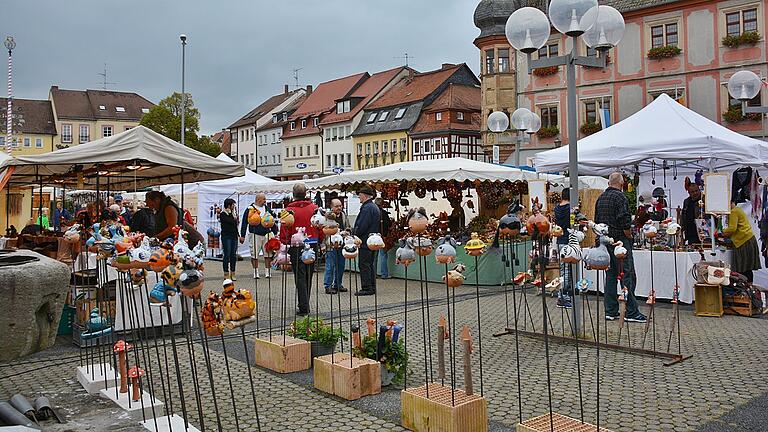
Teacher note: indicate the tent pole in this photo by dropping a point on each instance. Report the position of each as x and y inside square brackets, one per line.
[182, 193]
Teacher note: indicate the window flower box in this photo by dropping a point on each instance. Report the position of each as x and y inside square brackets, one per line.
[589, 128]
[664, 52]
[546, 71]
[747, 38]
[548, 131]
[734, 115]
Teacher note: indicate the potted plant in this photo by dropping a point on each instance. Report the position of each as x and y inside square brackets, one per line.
[548, 131]
[734, 115]
[662, 52]
[589, 128]
[393, 358]
[321, 335]
[746, 38]
[546, 71]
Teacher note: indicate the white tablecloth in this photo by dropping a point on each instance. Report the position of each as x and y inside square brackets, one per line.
[664, 272]
[87, 261]
[147, 315]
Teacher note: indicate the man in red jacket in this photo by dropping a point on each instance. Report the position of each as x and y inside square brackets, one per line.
[303, 209]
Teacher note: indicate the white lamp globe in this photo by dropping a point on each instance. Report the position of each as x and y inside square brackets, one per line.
[570, 17]
[744, 85]
[608, 29]
[527, 29]
[521, 119]
[498, 122]
[535, 124]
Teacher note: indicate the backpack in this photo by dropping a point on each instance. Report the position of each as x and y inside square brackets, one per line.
[254, 216]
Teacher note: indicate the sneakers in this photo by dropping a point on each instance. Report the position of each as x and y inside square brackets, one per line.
[612, 317]
[365, 293]
[330, 290]
[342, 289]
[564, 301]
[639, 318]
[255, 274]
[232, 276]
[266, 274]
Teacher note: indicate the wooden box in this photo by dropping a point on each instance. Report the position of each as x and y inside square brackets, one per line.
[84, 306]
[334, 374]
[738, 305]
[708, 300]
[469, 413]
[293, 356]
[560, 423]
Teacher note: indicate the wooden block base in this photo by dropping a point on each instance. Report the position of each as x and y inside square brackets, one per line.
[468, 413]
[293, 356]
[168, 424]
[560, 423]
[97, 377]
[335, 374]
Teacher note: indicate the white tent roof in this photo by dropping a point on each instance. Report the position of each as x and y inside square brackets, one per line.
[459, 169]
[664, 130]
[162, 161]
[213, 186]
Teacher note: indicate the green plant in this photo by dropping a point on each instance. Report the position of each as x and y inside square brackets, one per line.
[667, 51]
[734, 115]
[546, 71]
[313, 329]
[548, 131]
[589, 128]
[393, 355]
[746, 38]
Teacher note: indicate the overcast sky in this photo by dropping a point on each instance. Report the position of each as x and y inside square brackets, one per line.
[239, 51]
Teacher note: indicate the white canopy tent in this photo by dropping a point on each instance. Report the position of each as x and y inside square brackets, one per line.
[663, 131]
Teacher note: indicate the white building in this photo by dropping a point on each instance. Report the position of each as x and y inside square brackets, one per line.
[244, 146]
[269, 138]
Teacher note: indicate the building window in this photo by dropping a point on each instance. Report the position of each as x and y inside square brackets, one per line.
[439, 116]
[550, 50]
[327, 134]
[349, 159]
[548, 116]
[85, 133]
[400, 113]
[593, 108]
[335, 133]
[383, 116]
[293, 125]
[367, 149]
[740, 22]
[347, 132]
[489, 61]
[317, 149]
[301, 151]
[274, 118]
[328, 161]
[316, 121]
[274, 137]
[335, 160]
[39, 142]
[286, 152]
[120, 109]
[375, 147]
[304, 123]
[359, 148]
[343, 107]
[106, 131]
[416, 147]
[403, 145]
[27, 142]
[460, 116]
[663, 35]
[503, 60]
[385, 146]
[293, 151]
[66, 133]
[372, 118]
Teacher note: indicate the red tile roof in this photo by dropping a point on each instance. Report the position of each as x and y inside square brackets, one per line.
[453, 99]
[321, 101]
[415, 88]
[290, 109]
[263, 109]
[367, 90]
[87, 104]
[36, 114]
[224, 140]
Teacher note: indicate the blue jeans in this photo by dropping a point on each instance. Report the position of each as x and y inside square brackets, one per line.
[334, 269]
[383, 263]
[629, 280]
[229, 251]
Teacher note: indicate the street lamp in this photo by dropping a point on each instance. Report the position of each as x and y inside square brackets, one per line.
[745, 85]
[183, 38]
[602, 27]
[10, 45]
[523, 120]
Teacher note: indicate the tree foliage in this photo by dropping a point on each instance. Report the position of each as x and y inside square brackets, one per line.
[165, 118]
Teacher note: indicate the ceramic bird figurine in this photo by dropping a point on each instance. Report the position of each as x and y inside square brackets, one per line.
[455, 277]
[282, 258]
[673, 228]
[571, 252]
[475, 246]
[308, 255]
[422, 245]
[336, 240]
[556, 231]
[318, 218]
[405, 254]
[171, 274]
[446, 250]
[509, 224]
[96, 325]
[330, 227]
[141, 254]
[72, 234]
[267, 220]
[160, 292]
[297, 240]
[417, 220]
[619, 251]
[649, 230]
[598, 258]
[190, 279]
[350, 250]
[537, 224]
[600, 229]
[181, 247]
[375, 242]
[160, 259]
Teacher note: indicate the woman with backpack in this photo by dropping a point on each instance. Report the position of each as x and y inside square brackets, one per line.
[260, 223]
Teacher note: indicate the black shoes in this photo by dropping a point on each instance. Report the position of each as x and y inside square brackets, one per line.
[342, 289]
[331, 291]
[365, 293]
[300, 313]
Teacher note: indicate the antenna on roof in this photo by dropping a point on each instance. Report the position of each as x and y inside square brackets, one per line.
[405, 57]
[103, 75]
[296, 77]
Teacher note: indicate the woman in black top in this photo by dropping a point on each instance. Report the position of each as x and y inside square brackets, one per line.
[228, 219]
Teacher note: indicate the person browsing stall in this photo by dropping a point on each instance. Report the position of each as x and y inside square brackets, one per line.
[167, 214]
[368, 221]
[746, 255]
[334, 260]
[258, 233]
[690, 212]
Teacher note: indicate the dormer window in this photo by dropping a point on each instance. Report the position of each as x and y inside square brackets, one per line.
[343, 107]
[400, 113]
[383, 116]
[460, 116]
[372, 118]
[120, 109]
[102, 107]
[293, 125]
[285, 116]
[316, 121]
[304, 123]
[274, 118]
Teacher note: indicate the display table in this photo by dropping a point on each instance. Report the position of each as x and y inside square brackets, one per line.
[664, 272]
[87, 261]
[138, 296]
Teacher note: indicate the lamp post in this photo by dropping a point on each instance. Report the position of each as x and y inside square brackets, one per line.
[524, 122]
[183, 38]
[602, 27]
[743, 86]
[10, 45]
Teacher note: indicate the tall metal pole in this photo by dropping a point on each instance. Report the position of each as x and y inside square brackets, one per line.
[183, 91]
[10, 44]
[518, 139]
[573, 158]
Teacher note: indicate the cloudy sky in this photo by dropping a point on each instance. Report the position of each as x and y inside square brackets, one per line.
[239, 51]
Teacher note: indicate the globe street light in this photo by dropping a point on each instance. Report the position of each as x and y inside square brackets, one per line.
[745, 85]
[498, 122]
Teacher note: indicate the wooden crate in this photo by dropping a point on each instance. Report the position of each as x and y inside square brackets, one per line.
[334, 374]
[708, 300]
[738, 305]
[560, 423]
[469, 413]
[84, 306]
[293, 356]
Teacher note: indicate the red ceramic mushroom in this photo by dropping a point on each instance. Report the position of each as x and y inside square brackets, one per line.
[121, 347]
[135, 373]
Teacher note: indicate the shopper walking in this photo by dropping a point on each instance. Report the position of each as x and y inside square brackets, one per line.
[228, 219]
[386, 223]
[612, 209]
[368, 221]
[563, 220]
[258, 234]
[746, 255]
[302, 209]
[334, 260]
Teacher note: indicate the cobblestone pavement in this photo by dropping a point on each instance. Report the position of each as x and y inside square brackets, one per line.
[637, 393]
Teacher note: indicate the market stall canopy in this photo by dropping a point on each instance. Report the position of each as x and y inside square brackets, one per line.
[663, 131]
[136, 158]
[458, 169]
[216, 186]
[274, 187]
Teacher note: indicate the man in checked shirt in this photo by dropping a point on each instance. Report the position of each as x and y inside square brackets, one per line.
[612, 209]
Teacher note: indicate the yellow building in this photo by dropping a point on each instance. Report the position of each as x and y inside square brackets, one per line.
[372, 150]
[34, 127]
[86, 115]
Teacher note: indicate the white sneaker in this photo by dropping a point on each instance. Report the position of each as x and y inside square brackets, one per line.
[255, 274]
[267, 274]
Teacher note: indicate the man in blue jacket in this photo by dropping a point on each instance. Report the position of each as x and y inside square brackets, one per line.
[258, 235]
[368, 221]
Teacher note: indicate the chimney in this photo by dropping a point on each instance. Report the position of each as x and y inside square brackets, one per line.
[286, 89]
[309, 90]
[447, 65]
